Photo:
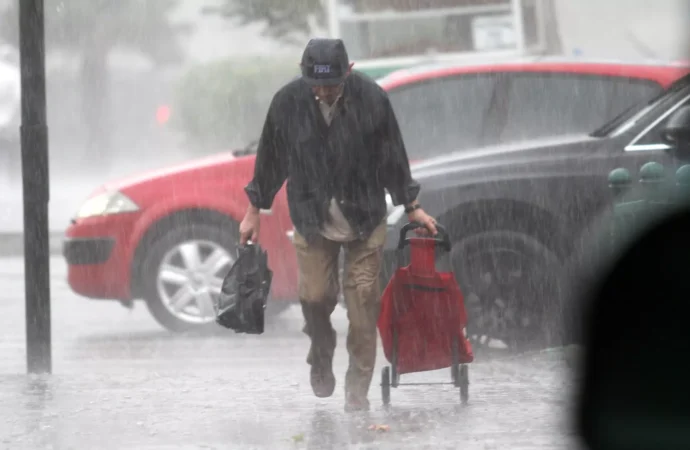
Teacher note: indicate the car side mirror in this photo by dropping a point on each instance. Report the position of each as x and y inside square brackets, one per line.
[676, 133]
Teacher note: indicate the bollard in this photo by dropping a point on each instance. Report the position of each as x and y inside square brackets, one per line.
[619, 181]
[652, 177]
[655, 197]
[683, 183]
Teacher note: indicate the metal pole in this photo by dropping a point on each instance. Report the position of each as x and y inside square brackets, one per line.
[332, 8]
[519, 25]
[34, 140]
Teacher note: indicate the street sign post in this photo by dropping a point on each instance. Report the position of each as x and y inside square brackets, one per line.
[34, 142]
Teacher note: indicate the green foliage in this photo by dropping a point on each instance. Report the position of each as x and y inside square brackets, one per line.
[224, 103]
[90, 29]
[284, 20]
[99, 25]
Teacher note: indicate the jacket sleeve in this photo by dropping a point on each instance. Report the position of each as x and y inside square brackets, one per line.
[270, 167]
[395, 167]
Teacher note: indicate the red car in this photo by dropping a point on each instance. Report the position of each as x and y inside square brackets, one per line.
[169, 236]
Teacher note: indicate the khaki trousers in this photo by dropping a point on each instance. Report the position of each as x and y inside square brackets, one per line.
[318, 292]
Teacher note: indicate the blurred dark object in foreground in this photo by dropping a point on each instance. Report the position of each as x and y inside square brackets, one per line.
[634, 387]
[634, 392]
[245, 290]
[638, 206]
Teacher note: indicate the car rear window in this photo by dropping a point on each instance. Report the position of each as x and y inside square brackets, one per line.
[447, 114]
[442, 115]
[544, 105]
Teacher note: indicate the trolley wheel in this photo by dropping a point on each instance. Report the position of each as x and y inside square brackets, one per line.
[455, 361]
[395, 377]
[464, 382]
[386, 385]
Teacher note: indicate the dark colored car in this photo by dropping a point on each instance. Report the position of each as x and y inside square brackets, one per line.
[516, 214]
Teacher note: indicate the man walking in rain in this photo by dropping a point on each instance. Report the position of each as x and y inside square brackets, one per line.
[333, 135]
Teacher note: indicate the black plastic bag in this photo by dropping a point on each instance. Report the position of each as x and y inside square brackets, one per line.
[242, 301]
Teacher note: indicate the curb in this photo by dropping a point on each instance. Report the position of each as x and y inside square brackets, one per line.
[12, 243]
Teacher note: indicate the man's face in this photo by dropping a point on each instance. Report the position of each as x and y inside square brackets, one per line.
[328, 94]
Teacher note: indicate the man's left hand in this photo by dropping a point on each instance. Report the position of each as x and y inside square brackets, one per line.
[419, 216]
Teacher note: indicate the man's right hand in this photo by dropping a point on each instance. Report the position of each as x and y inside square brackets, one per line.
[249, 228]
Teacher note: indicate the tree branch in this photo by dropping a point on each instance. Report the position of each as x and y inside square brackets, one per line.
[282, 19]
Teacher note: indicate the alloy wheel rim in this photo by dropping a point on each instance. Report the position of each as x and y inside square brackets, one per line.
[190, 277]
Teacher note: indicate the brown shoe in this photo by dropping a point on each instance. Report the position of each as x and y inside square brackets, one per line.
[323, 342]
[322, 380]
[356, 404]
[320, 359]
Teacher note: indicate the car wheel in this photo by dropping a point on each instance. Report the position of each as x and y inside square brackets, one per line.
[510, 284]
[183, 275]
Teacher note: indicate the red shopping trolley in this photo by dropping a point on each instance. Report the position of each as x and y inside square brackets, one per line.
[423, 317]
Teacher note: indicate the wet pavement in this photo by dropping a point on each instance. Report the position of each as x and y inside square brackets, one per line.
[122, 382]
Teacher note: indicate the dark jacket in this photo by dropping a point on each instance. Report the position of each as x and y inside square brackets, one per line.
[354, 160]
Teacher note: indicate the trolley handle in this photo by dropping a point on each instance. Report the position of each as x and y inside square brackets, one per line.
[442, 239]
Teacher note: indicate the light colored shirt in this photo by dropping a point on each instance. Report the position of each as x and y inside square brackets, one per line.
[337, 227]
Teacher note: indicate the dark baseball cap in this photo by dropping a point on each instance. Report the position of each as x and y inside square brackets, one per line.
[325, 62]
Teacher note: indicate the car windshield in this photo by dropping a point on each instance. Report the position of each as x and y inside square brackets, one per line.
[628, 118]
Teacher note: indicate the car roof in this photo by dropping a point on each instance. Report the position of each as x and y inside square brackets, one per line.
[663, 72]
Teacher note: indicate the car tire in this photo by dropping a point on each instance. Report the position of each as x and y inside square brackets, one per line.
[510, 282]
[167, 250]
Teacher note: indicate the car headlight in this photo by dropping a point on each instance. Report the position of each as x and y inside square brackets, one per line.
[394, 212]
[105, 204]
